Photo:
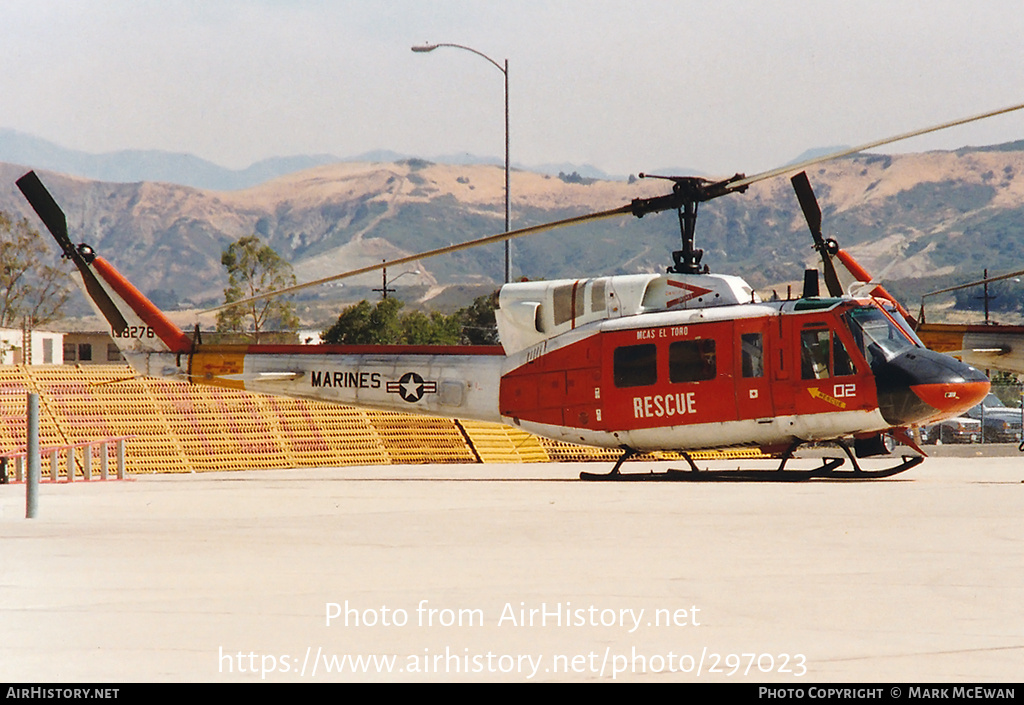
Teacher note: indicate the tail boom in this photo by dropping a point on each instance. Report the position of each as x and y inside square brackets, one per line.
[432, 380]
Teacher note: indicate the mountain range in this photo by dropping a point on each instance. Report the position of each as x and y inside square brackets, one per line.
[131, 165]
[924, 221]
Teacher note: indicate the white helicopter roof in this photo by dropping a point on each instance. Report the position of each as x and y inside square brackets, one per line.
[531, 312]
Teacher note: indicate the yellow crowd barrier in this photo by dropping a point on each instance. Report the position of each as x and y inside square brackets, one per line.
[178, 427]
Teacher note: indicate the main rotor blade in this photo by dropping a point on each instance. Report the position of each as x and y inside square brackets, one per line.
[500, 237]
[790, 168]
[638, 208]
[977, 283]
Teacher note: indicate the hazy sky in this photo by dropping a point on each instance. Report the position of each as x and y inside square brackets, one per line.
[631, 85]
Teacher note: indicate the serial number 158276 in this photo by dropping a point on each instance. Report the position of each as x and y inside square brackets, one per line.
[133, 332]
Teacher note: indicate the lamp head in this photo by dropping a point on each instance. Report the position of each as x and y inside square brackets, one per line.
[423, 48]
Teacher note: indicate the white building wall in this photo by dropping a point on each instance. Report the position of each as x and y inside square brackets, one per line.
[47, 347]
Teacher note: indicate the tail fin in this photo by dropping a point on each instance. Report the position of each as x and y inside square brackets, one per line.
[136, 325]
[851, 273]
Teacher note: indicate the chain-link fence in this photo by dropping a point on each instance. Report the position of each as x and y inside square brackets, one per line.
[998, 419]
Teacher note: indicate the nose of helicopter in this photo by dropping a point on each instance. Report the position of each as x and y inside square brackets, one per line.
[923, 386]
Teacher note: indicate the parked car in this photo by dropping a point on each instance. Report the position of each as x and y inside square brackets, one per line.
[962, 429]
[1001, 424]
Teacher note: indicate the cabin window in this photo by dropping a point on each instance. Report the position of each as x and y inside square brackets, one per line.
[597, 295]
[752, 346]
[636, 365]
[567, 301]
[691, 361]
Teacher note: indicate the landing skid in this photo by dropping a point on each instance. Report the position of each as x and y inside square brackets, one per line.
[827, 471]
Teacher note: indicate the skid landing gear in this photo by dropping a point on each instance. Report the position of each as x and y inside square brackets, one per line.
[828, 471]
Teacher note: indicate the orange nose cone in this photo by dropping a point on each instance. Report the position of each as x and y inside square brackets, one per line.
[952, 398]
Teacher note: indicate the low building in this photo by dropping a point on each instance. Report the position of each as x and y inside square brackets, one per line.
[44, 348]
[98, 348]
[90, 348]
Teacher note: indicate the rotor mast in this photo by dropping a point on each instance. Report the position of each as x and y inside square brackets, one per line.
[688, 192]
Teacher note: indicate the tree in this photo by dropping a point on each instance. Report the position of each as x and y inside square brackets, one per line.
[383, 324]
[1007, 387]
[255, 268]
[365, 324]
[477, 321]
[29, 288]
[436, 329]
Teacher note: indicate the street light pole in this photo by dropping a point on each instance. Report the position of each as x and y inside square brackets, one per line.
[508, 194]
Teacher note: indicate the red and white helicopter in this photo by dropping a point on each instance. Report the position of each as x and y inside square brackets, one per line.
[681, 361]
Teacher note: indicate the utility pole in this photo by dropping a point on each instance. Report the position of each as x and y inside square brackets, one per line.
[384, 283]
[986, 296]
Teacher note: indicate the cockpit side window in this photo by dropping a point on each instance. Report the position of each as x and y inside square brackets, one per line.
[842, 364]
[878, 338]
[823, 354]
[814, 353]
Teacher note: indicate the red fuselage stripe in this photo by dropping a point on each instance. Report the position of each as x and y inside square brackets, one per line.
[368, 349]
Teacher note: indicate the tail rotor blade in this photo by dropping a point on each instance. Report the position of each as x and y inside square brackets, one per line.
[831, 278]
[809, 204]
[47, 210]
[812, 213]
[53, 218]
